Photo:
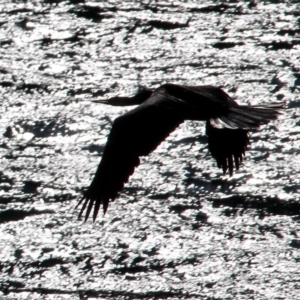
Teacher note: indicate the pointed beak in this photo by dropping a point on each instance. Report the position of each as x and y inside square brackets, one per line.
[101, 101]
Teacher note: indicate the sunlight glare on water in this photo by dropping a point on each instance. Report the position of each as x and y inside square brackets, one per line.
[179, 229]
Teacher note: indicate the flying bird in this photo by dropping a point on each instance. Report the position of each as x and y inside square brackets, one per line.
[139, 131]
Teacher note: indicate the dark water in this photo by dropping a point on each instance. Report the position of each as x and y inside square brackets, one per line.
[180, 229]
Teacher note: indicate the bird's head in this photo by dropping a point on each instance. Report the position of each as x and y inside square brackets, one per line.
[127, 101]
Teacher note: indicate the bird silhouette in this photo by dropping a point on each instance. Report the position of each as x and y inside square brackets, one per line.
[138, 132]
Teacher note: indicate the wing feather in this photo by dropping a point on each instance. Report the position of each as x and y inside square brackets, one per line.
[136, 133]
[227, 145]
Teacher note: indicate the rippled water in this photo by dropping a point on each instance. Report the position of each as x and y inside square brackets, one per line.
[180, 229]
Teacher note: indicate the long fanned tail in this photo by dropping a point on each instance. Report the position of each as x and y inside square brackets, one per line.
[247, 117]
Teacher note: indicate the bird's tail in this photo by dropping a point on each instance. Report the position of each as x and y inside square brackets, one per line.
[248, 117]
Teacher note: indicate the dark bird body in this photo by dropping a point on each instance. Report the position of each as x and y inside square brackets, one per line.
[139, 132]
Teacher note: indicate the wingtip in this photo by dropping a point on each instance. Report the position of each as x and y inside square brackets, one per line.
[79, 202]
[224, 167]
[105, 206]
[83, 206]
[90, 204]
[87, 202]
[96, 210]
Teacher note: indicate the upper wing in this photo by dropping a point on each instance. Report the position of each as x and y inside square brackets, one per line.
[227, 146]
[136, 133]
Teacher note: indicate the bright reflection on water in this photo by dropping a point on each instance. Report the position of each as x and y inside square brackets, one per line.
[180, 229]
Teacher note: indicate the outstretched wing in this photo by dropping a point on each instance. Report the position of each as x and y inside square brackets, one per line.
[140, 131]
[136, 133]
[227, 146]
[228, 136]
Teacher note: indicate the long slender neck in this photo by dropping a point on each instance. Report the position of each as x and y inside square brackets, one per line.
[127, 101]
